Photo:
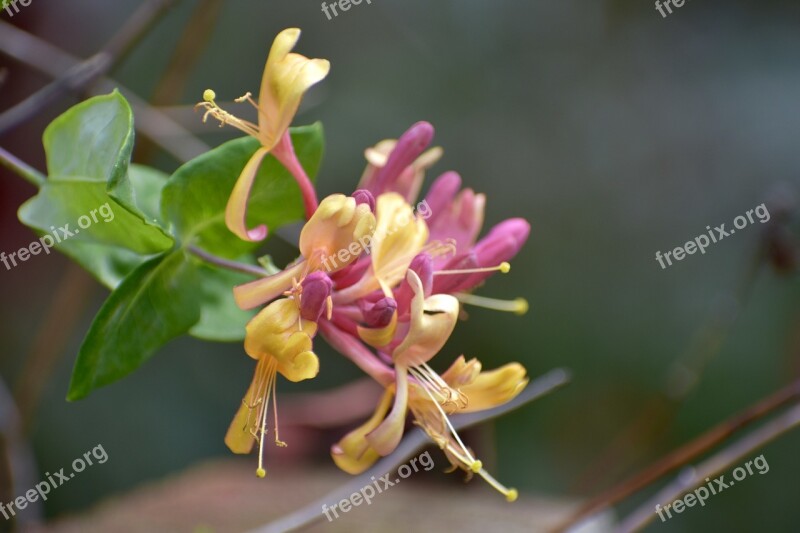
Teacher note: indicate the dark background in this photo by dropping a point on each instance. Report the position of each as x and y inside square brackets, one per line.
[614, 131]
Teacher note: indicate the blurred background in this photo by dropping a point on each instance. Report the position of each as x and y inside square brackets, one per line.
[616, 132]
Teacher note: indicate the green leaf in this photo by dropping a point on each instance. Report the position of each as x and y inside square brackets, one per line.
[195, 198]
[109, 206]
[83, 207]
[93, 139]
[221, 319]
[156, 303]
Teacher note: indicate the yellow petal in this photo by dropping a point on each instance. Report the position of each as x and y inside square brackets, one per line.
[274, 332]
[398, 238]
[353, 453]
[462, 372]
[287, 76]
[337, 233]
[432, 321]
[495, 387]
[236, 210]
[385, 438]
[261, 291]
[239, 439]
[379, 337]
[299, 362]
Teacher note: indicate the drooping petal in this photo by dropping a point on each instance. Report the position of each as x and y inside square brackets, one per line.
[287, 76]
[261, 291]
[385, 438]
[353, 453]
[495, 387]
[239, 438]
[236, 210]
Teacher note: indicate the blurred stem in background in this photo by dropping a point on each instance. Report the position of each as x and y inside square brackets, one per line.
[685, 374]
[689, 452]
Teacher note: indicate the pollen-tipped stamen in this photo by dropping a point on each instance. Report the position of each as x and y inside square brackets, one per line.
[267, 375]
[213, 109]
[511, 494]
[518, 305]
[503, 267]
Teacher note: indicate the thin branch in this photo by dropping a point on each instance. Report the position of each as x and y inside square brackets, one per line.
[81, 75]
[22, 169]
[226, 263]
[693, 477]
[51, 60]
[410, 445]
[686, 453]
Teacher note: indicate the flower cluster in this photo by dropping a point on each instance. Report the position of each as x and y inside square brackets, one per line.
[389, 309]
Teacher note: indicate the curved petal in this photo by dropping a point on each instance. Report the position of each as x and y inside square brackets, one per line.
[287, 76]
[236, 210]
[261, 291]
[495, 387]
[353, 453]
[385, 438]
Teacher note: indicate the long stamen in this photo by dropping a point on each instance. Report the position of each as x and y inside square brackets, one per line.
[271, 366]
[503, 267]
[518, 305]
[473, 464]
[278, 441]
[510, 494]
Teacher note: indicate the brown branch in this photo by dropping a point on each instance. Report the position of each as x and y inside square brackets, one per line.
[53, 61]
[721, 461]
[81, 75]
[686, 453]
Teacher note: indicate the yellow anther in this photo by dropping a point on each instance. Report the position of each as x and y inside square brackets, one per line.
[209, 95]
[505, 267]
[476, 466]
[261, 472]
[512, 495]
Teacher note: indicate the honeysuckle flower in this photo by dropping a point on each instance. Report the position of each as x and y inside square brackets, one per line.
[454, 222]
[339, 222]
[428, 396]
[281, 343]
[287, 76]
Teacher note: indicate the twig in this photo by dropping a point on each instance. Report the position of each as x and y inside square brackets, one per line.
[53, 61]
[81, 75]
[693, 477]
[411, 444]
[22, 169]
[686, 453]
[226, 263]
